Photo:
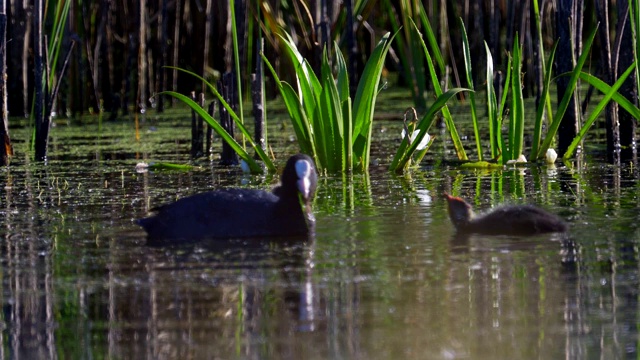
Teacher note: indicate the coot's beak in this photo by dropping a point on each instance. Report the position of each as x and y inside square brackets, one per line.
[303, 170]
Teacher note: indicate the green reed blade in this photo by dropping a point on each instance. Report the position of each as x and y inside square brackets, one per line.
[457, 143]
[258, 149]
[253, 165]
[472, 99]
[364, 102]
[236, 61]
[503, 102]
[516, 124]
[597, 110]
[564, 103]
[406, 150]
[545, 99]
[492, 107]
[617, 97]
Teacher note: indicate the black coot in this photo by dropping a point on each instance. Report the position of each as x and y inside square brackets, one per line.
[241, 213]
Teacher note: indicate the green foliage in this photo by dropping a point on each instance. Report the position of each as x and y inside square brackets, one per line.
[336, 134]
[492, 108]
[57, 32]
[457, 143]
[609, 93]
[516, 120]
[236, 57]
[545, 102]
[472, 98]
[402, 159]
[253, 165]
[170, 166]
[409, 47]
[564, 103]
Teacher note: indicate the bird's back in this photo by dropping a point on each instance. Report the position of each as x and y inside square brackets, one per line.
[516, 220]
[229, 213]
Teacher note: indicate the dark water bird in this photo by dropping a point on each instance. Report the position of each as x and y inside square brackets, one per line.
[241, 213]
[519, 220]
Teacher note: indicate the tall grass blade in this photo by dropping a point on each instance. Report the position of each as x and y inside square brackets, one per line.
[344, 101]
[348, 135]
[617, 97]
[253, 165]
[466, 50]
[457, 143]
[571, 86]
[516, 123]
[258, 149]
[364, 102]
[57, 33]
[412, 65]
[431, 38]
[236, 56]
[492, 107]
[545, 99]
[296, 113]
[330, 119]
[597, 110]
[503, 102]
[308, 84]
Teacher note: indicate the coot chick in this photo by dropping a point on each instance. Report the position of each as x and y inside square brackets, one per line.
[522, 220]
[241, 213]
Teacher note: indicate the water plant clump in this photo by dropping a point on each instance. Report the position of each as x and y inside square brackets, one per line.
[334, 129]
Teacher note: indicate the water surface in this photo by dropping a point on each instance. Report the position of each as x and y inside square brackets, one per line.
[384, 276]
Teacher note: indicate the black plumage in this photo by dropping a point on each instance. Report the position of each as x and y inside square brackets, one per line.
[241, 213]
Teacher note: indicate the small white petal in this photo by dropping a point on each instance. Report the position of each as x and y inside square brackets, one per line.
[425, 140]
[521, 159]
[551, 156]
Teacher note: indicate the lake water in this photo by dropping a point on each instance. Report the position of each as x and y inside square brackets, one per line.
[384, 277]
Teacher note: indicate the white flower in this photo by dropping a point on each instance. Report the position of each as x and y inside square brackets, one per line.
[414, 135]
[551, 156]
[520, 160]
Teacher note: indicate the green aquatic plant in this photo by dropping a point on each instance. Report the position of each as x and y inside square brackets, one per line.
[610, 92]
[564, 103]
[466, 49]
[405, 153]
[412, 141]
[46, 77]
[448, 119]
[253, 165]
[409, 47]
[516, 115]
[335, 131]
[513, 148]
[217, 127]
